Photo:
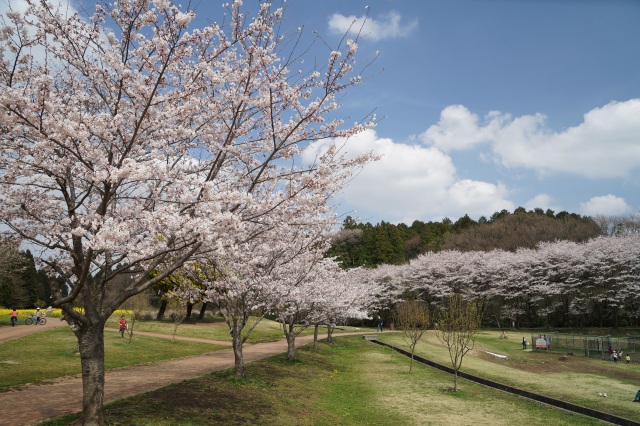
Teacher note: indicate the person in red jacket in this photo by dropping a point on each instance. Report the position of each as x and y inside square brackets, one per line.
[14, 317]
[123, 325]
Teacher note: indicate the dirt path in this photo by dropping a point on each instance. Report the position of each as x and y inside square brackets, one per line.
[34, 403]
[10, 333]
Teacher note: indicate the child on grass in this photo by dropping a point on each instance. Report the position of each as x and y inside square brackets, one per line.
[123, 325]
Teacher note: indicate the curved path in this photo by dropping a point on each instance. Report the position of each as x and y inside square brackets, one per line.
[33, 403]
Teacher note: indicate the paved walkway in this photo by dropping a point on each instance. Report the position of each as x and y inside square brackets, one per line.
[34, 403]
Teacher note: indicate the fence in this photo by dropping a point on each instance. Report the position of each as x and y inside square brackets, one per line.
[586, 345]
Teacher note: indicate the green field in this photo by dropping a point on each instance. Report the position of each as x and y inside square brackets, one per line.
[575, 379]
[350, 382]
[40, 357]
[216, 329]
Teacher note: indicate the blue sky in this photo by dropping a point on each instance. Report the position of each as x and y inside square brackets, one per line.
[487, 104]
[493, 104]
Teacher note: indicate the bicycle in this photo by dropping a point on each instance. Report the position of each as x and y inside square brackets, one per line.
[34, 320]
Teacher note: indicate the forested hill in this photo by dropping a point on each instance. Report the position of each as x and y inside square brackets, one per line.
[364, 244]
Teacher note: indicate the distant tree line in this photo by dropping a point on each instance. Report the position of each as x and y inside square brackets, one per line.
[364, 244]
[21, 284]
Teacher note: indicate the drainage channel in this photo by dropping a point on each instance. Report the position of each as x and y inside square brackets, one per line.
[534, 396]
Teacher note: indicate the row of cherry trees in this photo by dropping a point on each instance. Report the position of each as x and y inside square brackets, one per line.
[285, 276]
[595, 283]
[134, 143]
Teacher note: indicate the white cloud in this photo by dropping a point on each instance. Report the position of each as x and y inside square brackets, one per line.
[388, 26]
[607, 205]
[412, 182]
[458, 128]
[542, 201]
[604, 145]
[21, 7]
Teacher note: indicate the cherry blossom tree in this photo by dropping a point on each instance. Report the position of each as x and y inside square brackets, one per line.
[299, 304]
[327, 294]
[131, 141]
[562, 282]
[252, 274]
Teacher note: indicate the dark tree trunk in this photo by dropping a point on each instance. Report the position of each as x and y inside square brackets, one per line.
[163, 307]
[91, 345]
[189, 309]
[315, 337]
[203, 310]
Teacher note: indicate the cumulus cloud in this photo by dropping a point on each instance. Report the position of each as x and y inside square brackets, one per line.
[604, 145]
[387, 26]
[542, 201]
[459, 128]
[412, 182]
[607, 205]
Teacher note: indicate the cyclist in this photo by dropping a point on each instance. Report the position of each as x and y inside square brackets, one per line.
[38, 315]
[14, 317]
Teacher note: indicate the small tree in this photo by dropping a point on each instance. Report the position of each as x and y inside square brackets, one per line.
[179, 313]
[458, 324]
[137, 305]
[413, 319]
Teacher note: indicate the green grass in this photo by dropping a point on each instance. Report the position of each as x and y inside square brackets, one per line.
[576, 379]
[216, 329]
[351, 382]
[40, 357]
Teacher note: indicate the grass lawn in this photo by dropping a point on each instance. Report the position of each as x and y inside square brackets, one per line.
[43, 356]
[350, 382]
[216, 329]
[576, 379]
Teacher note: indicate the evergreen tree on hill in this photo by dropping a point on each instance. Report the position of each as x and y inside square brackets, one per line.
[358, 244]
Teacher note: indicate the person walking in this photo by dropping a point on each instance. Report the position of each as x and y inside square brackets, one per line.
[379, 324]
[14, 317]
[524, 344]
[123, 325]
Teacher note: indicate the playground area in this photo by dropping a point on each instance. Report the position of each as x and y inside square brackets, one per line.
[588, 345]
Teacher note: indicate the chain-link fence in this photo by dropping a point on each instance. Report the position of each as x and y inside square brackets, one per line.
[586, 345]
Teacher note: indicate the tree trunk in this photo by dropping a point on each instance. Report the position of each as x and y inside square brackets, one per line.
[329, 333]
[91, 345]
[203, 310]
[163, 307]
[189, 309]
[237, 355]
[315, 337]
[291, 345]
